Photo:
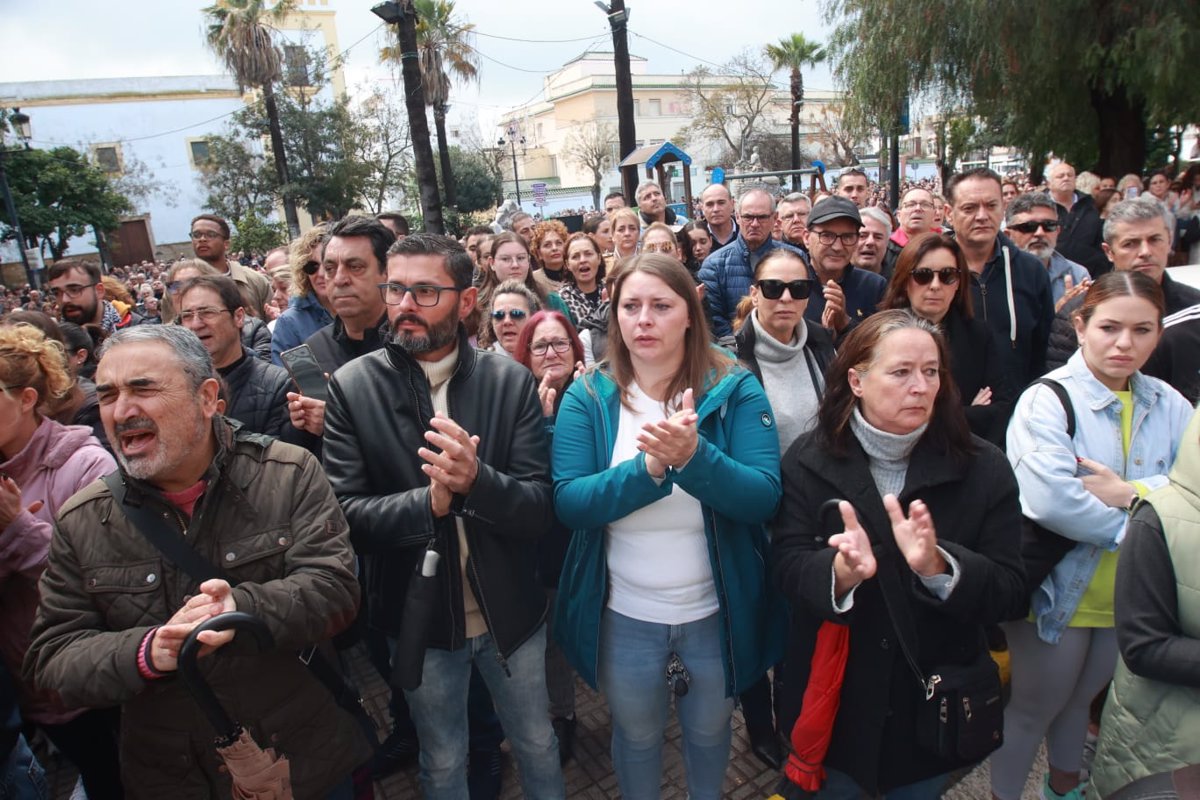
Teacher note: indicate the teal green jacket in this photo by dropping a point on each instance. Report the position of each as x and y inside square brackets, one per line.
[735, 476]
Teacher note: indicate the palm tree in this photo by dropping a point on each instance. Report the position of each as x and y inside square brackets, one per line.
[446, 54]
[241, 32]
[792, 53]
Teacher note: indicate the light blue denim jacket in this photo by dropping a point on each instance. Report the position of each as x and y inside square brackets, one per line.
[1052, 493]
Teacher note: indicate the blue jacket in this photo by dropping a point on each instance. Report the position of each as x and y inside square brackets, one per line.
[1052, 493]
[303, 317]
[735, 476]
[727, 274]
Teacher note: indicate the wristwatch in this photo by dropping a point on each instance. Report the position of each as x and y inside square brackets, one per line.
[1132, 501]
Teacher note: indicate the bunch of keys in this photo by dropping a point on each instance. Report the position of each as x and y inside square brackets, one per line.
[678, 676]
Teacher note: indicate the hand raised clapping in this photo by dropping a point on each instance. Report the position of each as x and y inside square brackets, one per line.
[673, 441]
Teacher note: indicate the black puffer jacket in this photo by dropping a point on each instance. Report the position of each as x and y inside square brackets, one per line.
[378, 411]
[1080, 237]
[258, 395]
[256, 337]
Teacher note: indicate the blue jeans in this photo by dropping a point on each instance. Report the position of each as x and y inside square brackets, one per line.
[439, 710]
[633, 665]
[840, 786]
[21, 776]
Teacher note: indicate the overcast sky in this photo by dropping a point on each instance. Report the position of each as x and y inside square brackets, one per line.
[71, 39]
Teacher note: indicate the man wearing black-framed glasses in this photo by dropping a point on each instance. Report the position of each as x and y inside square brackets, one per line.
[77, 289]
[434, 446]
[848, 295]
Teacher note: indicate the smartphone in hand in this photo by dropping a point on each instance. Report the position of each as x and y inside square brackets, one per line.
[306, 372]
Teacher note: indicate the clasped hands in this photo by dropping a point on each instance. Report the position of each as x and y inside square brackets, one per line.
[914, 535]
[673, 441]
[216, 597]
[453, 470]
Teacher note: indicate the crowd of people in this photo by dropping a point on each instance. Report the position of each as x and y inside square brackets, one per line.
[794, 450]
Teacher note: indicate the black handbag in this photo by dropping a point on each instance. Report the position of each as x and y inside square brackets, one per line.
[960, 715]
[1042, 548]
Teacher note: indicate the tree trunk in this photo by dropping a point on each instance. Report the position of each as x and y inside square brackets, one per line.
[626, 128]
[797, 99]
[596, 189]
[277, 151]
[439, 122]
[414, 102]
[1122, 132]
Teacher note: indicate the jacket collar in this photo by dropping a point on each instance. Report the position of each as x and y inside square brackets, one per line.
[600, 383]
[1099, 396]
[401, 359]
[371, 336]
[226, 432]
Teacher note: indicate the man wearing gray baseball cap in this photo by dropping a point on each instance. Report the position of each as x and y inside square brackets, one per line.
[848, 295]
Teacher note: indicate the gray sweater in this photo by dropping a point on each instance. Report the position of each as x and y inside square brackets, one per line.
[786, 377]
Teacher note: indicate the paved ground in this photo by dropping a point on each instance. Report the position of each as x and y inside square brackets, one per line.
[589, 775]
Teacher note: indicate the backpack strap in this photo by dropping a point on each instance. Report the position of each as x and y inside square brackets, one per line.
[1061, 392]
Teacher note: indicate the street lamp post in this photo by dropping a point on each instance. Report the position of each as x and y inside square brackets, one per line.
[618, 21]
[513, 135]
[20, 123]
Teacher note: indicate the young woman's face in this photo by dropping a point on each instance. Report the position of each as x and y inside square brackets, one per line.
[584, 263]
[780, 316]
[604, 235]
[701, 244]
[1119, 337]
[510, 312]
[625, 235]
[653, 320]
[511, 262]
[897, 391]
[550, 251]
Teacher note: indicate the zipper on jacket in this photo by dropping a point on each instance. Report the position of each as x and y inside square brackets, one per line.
[487, 616]
[724, 606]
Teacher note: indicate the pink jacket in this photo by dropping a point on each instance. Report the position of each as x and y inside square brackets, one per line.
[58, 461]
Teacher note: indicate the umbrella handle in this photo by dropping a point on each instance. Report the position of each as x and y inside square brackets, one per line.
[827, 508]
[227, 729]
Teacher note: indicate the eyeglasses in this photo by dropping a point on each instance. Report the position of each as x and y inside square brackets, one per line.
[1048, 225]
[829, 237]
[772, 289]
[201, 235]
[510, 260]
[665, 247]
[515, 314]
[923, 276]
[206, 315]
[311, 267]
[71, 291]
[911, 204]
[559, 346]
[423, 294]
[752, 218]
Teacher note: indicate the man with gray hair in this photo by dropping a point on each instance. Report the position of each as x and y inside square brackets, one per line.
[1079, 220]
[1031, 221]
[727, 273]
[1137, 236]
[116, 608]
[873, 240]
[652, 206]
[794, 209]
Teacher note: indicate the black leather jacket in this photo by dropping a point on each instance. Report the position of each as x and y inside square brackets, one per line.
[378, 411]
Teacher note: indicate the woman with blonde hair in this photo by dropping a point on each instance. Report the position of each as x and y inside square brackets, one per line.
[43, 463]
[626, 231]
[310, 308]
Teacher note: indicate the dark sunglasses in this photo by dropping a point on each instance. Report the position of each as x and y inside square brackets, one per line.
[311, 267]
[924, 276]
[514, 314]
[1048, 225]
[772, 289]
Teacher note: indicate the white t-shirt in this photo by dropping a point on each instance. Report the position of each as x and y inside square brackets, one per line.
[658, 564]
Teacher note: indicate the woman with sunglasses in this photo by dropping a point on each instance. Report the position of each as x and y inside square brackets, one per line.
[551, 350]
[932, 280]
[513, 303]
[310, 308]
[788, 354]
[511, 260]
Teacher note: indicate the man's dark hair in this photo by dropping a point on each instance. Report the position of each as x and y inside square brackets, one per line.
[61, 268]
[221, 223]
[396, 217]
[357, 225]
[977, 172]
[850, 173]
[231, 296]
[1024, 203]
[612, 194]
[479, 230]
[458, 261]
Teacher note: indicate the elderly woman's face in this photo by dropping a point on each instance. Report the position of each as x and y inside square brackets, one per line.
[896, 392]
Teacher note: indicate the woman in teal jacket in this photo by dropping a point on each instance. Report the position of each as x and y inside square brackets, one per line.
[666, 466]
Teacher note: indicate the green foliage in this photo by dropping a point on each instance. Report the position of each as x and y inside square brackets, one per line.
[239, 32]
[239, 180]
[321, 141]
[478, 187]
[253, 234]
[1079, 78]
[58, 194]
